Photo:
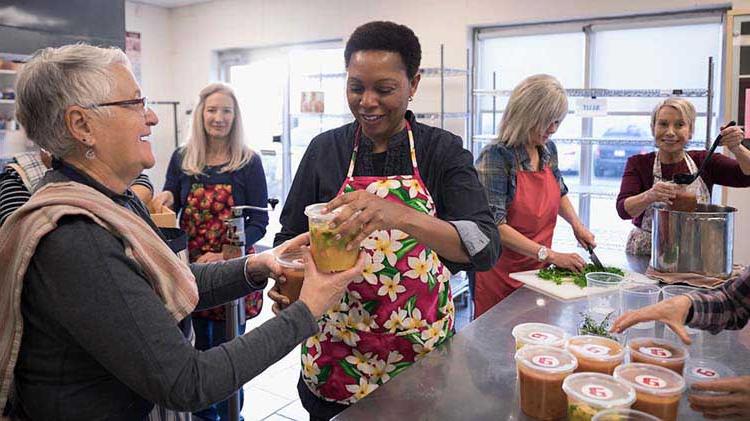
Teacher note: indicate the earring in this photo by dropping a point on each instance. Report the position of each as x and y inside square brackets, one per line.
[90, 154]
[411, 98]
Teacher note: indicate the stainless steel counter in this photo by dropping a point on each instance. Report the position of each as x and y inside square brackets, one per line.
[473, 377]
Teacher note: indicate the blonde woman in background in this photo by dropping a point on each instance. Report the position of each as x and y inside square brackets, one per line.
[647, 177]
[525, 189]
[205, 178]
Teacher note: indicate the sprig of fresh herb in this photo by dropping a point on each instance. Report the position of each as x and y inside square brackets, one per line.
[560, 275]
[591, 327]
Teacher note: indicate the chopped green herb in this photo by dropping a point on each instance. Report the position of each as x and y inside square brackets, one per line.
[591, 327]
[560, 275]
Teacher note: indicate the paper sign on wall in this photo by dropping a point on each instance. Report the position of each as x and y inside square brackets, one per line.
[312, 102]
[133, 51]
[591, 107]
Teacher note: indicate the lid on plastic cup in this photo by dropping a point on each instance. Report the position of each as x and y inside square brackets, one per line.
[292, 260]
[539, 334]
[702, 369]
[314, 211]
[658, 349]
[622, 414]
[546, 359]
[598, 390]
[595, 348]
[651, 379]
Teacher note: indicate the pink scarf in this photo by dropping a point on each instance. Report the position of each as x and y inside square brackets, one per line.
[171, 279]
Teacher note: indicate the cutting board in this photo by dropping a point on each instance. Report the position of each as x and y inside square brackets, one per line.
[569, 291]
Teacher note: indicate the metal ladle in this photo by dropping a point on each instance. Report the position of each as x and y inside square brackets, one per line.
[684, 178]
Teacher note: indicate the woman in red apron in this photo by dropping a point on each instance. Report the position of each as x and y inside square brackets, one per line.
[410, 197]
[526, 191]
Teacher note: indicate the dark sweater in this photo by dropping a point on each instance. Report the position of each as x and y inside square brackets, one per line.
[98, 342]
[639, 176]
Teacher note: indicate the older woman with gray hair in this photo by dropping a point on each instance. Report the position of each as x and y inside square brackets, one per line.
[647, 177]
[526, 190]
[90, 295]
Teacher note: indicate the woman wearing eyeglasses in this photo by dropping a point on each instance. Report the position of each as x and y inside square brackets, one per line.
[647, 177]
[212, 173]
[92, 299]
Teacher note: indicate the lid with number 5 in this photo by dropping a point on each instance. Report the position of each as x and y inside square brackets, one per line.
[546, 359]
[651, 379]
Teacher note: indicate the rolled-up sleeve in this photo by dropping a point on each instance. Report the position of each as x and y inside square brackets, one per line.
[462, 201]
[494, 171]
[727, 307]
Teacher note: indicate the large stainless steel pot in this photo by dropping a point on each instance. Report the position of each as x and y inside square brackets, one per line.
[698, 242]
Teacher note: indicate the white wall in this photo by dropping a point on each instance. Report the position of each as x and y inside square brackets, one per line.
[154, 25]
[179, 45]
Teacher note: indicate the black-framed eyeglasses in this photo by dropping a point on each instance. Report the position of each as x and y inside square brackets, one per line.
[142, 101]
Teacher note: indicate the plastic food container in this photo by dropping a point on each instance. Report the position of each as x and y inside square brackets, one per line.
[590, 393]
[658, 389]
[541, 371]
[658, 351]
[703, 370]
[329, 253]
[293, 269]
[596, 354]
[538, 334]
[623, 415]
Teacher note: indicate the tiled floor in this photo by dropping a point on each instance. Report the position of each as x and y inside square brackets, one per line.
[272, 396]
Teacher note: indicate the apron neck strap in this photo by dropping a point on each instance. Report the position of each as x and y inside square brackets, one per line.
[358, 137]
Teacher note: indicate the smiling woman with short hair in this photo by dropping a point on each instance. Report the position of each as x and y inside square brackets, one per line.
[408, 193]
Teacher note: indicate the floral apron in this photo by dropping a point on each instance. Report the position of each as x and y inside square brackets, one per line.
[639, 239]
[206, 208]
[533, 213]
[397, 312]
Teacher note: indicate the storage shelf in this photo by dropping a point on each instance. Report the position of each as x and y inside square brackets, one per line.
[426, 72]
[609, 113]
[594, 141]
[611, 93]
[425, 116]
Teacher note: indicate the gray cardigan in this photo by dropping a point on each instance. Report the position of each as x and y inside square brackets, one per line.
[99, 344]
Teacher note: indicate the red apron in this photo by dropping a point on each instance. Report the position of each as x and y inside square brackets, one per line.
[533, 213]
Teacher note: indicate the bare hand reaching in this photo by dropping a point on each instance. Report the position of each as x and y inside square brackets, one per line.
[672, 312]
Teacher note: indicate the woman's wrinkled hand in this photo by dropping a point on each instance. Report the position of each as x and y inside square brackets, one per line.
[735, 404]
[321, 291]
[160, 201]
[671, 312]
[571, 261]
[361, 213]
[276, 271]
[731, 137]
[661, 192]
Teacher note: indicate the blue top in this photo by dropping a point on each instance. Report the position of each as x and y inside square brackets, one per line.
[497, 165]
[248, 188]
